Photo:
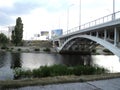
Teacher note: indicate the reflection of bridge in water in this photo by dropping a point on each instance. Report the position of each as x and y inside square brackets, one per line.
[104, 31]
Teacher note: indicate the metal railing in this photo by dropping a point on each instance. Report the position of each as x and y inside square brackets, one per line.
[102, 20]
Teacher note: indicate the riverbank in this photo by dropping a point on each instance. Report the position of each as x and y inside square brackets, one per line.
[55, 80]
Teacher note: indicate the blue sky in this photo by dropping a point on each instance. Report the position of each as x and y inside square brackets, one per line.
[40, 15]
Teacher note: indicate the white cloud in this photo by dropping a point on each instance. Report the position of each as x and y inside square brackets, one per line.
[6, 3]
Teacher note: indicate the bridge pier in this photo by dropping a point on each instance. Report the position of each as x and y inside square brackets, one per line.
[116, 36]
[105, 34]
[97, 34]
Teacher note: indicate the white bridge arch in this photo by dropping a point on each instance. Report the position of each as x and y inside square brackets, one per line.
[100, 41]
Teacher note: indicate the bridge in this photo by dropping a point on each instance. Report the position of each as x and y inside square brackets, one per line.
[104, 31]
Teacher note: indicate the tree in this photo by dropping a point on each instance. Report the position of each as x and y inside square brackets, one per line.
[17, 33]
[3, 39]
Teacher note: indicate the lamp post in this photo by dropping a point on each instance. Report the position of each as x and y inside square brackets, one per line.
[113, 10]
[80, 15]
[68, 16]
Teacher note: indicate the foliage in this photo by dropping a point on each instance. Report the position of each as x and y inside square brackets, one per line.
[94, 50]
[19, 49]
[46, 49]
[17, 33]
[19, 73]
[3, 39]
[36, 49]
[4, 47]
[106, 50]
[58, 70]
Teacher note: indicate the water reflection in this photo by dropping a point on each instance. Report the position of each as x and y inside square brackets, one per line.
[9, 61]
[16, 60]
[6, 72]
[72, 60]
[2, 58]
[35, 60]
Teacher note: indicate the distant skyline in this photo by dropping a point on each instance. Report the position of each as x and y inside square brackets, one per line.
[42, 15]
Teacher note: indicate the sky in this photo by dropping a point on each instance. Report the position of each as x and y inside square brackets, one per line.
[47, 15]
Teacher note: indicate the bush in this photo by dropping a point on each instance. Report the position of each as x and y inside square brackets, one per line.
[36, 49]
[94, 50]
[45, 71]
[106, 50]
[12, 48]
[47, 50]
[36, 73]
[21, 73]
[3, 47]
[58, 70]
[19, 49]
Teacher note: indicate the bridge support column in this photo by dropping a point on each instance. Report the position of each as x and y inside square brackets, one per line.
[90, 33]
[116, 36]
[105, 34]
[97, 34]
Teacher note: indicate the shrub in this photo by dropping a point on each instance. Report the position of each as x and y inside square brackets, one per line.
[106, 50]
[36, 49]
[3, 47]
[47, 50]
[45, 71]
[36, 73]
[19, 49]
[78, 70]
[94, 50]
[12, 48]
[58, 70]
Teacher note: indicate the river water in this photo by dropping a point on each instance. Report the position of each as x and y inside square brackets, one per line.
[9, 61]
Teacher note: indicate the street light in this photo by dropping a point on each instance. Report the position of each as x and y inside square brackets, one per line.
[113, 9]
[68, 16]
[80, 15]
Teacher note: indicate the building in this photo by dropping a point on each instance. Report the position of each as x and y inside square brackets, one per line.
[7, 30]
[43, 35]
[10, 29]
[56, 33]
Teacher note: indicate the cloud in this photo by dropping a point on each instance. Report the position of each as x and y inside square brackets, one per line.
[19, 8]
[11, 8]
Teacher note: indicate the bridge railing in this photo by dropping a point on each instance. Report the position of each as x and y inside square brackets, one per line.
[98, 21]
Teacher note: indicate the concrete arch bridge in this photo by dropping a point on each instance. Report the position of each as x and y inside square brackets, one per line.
[104, 31]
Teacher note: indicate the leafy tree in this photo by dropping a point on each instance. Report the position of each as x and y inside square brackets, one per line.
[3, 39]
[17, 33]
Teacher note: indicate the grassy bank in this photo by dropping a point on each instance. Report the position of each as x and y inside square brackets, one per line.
[57, 70]
[54, 80]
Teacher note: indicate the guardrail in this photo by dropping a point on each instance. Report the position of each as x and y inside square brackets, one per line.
[98, 21]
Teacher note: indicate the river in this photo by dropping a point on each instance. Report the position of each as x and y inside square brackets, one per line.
[9, 61]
